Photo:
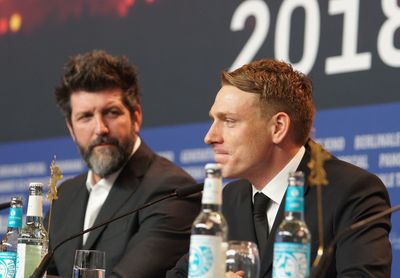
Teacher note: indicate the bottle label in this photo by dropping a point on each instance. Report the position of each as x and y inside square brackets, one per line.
[28, 258]
[15, 218]
[291, 260]
[207, 256]
[35, 206]
[295, 199]
[8, 264]
[212, 192]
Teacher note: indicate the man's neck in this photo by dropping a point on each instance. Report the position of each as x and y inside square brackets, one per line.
[277, 162]
[95, 178]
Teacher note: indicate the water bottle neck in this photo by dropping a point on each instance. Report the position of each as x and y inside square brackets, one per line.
[37, 221]
[291, 215]
[294, 204]
[35, 206]
[212, 192]
[15, 231]
[15, 218]
[211, 207]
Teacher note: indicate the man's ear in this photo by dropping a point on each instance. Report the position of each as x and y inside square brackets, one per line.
[280, 127]
[137, 118]
[71, 130]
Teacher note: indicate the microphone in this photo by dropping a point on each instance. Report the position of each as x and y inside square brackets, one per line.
[320, 269]
[5, 205]
[179, 193]
[189, 190]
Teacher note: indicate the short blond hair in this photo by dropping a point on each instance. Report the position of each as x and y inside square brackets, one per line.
[281, 89]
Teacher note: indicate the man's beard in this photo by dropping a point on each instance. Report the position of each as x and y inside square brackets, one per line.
[107, 159]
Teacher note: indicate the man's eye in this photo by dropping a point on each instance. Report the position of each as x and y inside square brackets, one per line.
[114, 112]
[229, 122]
[84, 117]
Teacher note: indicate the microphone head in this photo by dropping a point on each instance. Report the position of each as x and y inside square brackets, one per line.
[5, 205]
[189, 190]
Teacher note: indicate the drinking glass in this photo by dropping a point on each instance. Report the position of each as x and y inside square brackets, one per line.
[89, 264]
[242, 259]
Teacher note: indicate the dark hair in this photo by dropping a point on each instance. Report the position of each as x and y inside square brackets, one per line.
[281, 89]
[96, 71]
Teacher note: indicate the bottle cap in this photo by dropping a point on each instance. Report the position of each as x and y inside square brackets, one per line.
[35, 188]
[296, 178]
[35, 184]
[16, 200]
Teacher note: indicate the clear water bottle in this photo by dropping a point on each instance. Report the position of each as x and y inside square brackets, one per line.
[8, 253]
[292, 242]
[33, 240]
[208, 242]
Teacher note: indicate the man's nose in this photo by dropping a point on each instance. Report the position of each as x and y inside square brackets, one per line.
[212, 135]
[101, 126]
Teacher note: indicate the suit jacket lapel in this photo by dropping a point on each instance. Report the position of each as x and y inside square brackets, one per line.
[305, 169]
[267, 254]
[122, 190]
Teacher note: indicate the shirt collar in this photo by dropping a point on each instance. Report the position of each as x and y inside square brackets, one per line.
[108, 181]
[276, 188]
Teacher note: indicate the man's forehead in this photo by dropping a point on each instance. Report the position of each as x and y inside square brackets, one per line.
[232, 101]
[87, 100]
[230, 95]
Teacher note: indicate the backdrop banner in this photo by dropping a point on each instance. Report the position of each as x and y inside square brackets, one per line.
[349, 48]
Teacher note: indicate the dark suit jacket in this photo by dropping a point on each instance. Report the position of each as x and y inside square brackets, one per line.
[144, 244]
[351, 195]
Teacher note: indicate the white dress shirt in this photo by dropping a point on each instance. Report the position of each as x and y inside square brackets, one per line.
[98, 194]
[276, 188]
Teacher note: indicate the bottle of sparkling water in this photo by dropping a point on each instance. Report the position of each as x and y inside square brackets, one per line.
[8, 253]
[209, 231]
[292, 242]
[33, 240]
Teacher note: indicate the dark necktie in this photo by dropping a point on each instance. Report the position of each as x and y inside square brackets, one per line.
[260, 220]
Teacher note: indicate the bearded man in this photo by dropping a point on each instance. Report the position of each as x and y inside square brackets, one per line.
[99, 98]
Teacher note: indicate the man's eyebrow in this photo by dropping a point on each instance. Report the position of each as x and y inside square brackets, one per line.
[83, 112]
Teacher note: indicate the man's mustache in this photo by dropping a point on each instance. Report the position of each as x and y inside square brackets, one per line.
[103, 140]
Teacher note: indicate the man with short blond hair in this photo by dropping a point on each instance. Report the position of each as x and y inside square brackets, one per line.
[261, 121]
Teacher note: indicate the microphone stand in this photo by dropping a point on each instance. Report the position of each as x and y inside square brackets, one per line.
[320, 269]
[44, 264]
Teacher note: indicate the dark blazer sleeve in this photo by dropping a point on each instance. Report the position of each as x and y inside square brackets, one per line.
[181, 268]
[162, 238]
[163, 233]
[367, 252]
[352, 194]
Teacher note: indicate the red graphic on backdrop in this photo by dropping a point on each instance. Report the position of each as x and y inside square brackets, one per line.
[27, 15]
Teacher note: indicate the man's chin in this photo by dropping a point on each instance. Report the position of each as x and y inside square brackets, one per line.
[105, 148]
[222, 160]
[224, 171]
[103, 166]
[229, 172]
